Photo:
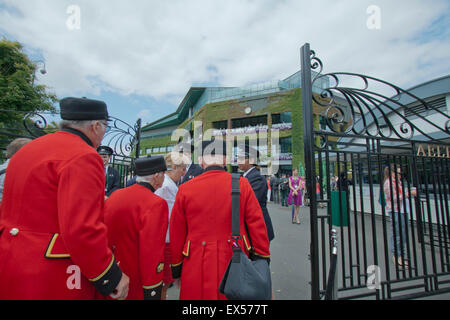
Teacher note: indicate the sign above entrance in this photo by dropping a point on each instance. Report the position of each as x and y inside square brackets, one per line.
[434, 151]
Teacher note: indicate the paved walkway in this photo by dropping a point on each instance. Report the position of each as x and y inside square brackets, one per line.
[289, 251]
[290, 266]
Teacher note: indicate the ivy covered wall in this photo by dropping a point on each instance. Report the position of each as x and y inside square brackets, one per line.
[286, 101]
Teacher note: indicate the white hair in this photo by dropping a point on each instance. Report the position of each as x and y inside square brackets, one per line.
[147, 178]
[76, 124]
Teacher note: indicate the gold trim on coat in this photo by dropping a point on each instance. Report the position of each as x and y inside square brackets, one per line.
[186, 254]
[104, 272]
[246, 243]
[176, 264]
[48, 252]
[153, 287]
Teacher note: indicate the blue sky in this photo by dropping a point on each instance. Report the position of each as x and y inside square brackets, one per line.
[141, 59]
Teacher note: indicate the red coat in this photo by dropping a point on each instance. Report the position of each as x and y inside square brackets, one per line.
[200, 232]
[53, 242]
[137, 221]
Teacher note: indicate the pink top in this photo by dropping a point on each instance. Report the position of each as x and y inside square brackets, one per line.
[388, 198]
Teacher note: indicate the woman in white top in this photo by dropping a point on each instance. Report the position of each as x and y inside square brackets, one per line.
[176, 168]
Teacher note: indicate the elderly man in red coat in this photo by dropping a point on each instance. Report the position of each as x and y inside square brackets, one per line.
[137, 221]
[53, 241]
[200, 227]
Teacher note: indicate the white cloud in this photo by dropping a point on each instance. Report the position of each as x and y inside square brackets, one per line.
[159, 48]
[144, 114]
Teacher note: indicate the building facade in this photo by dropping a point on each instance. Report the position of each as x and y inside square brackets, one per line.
[271, 112]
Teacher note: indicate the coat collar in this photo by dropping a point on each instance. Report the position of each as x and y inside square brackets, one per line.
[80, 134]
[147, 185]
[215, 168]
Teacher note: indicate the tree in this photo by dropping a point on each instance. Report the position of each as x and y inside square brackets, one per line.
[18, 93]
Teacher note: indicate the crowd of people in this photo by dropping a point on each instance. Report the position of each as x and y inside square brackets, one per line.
[68, 231]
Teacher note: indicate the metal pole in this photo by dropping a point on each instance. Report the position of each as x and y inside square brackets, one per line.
[310, 167]
[332, 283]
[138, 137]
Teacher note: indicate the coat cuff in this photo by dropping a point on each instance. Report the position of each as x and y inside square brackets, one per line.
[108, 280]
[153, 292]
[256, 256]
[176, 270]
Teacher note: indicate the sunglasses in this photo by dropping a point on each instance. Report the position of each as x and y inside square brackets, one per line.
[107, 126]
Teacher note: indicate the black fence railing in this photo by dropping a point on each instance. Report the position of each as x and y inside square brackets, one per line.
[331, 292]
[404, 238]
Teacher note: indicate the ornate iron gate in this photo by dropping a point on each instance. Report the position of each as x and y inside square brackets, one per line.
[364, 132]
[120, 136]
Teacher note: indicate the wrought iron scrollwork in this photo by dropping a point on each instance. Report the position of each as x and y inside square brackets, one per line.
[35, 124]
[316, 63]
[122, 137]
[365, 111]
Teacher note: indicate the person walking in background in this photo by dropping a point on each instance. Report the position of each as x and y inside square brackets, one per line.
[176, 167]
[284, 190]
[393, 198]
[112, 176]
[295, 197]
[343, 182]
[192, 169]
[302, 190]
[11, 149]
[333, 183]
[318, 192]
[274, 186]
[137, 221]
[247, 162]
[269, 190]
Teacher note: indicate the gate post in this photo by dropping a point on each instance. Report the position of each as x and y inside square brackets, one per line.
[308, 136]
[138, 137]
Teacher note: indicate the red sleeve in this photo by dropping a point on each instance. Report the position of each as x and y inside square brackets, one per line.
[254, 220]
[178, 233]
[80, 213]
[152, 240]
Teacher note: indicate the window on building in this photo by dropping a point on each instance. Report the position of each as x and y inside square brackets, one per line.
[169, 148]
[323, 122]
[251, 121]
[286, 145]
[284, 117]
[155, 149]
[220, 124]
[147, 151]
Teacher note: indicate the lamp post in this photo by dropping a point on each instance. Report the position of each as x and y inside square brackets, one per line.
[42, 70]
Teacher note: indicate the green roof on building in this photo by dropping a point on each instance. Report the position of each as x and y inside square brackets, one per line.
[181, 113]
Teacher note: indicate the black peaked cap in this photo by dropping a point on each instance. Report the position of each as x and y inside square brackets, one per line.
[150, 165]
[83, 109]
[105, 150]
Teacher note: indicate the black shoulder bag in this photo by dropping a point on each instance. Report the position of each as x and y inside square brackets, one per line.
[244, 279]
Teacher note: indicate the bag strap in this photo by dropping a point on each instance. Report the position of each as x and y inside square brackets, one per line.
[235, 214]
[235, 207]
